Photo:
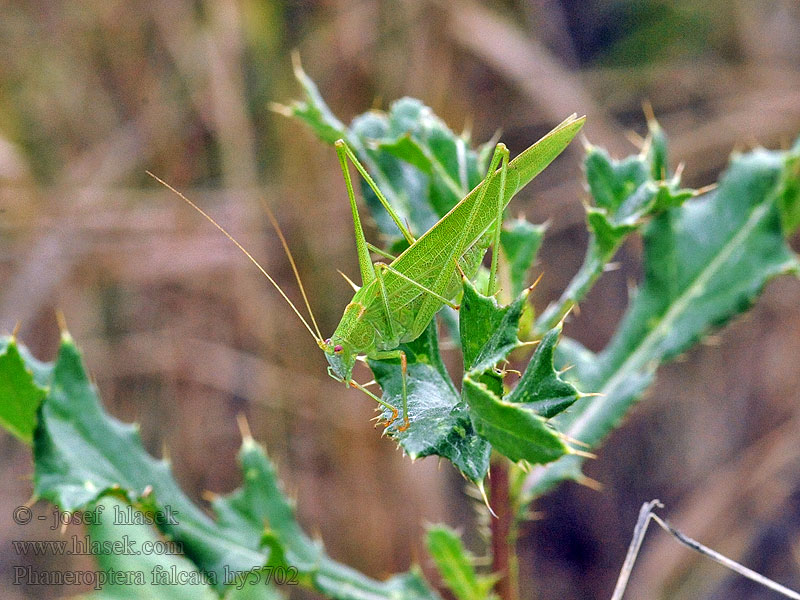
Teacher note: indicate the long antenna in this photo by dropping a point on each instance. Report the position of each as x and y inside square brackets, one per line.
[288, 252]
[240, 247]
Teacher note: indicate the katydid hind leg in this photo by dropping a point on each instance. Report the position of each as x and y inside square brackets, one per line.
[379, 269]
[364, 262]
[418, 285]
[343, 147]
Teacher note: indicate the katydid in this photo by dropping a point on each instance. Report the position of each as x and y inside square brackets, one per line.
[397, 301]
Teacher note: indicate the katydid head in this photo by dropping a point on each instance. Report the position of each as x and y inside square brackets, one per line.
[341, 357]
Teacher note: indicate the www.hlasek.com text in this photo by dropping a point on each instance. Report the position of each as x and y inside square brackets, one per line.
[86, 546]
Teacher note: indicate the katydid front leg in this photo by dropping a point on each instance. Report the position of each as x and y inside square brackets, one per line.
[380, 267]
[403, 375]
[361, 388]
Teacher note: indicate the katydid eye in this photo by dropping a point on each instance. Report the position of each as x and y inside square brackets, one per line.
[338, 348]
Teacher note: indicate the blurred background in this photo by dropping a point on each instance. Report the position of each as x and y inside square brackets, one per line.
[182, 333]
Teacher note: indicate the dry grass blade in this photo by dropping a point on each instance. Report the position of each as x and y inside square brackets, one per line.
[646, 515]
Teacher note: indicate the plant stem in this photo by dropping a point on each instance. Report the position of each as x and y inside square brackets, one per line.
[591, 269]
[504, 532]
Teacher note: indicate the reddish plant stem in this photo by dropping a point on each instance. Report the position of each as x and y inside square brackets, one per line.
[503, 528]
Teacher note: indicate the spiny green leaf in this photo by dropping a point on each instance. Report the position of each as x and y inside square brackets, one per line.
[260, 505]
[669, 196]
[488, 334]
[455, 565]
[704, 263]
[447, 157]
[541, 388]
[42, 372]
[260, 512]
[606, 234]
[20, 394]
[707, 261]
[626, 194]
[515, 425]
[488, 331]
[401, 183]
[404, 186]
[520, 241]
[465, 429]
[147, 569]
[513, 430]
[408, 150]
[440, 423]
[82, 454]
[313, 111]
[629, 190]
[789, 195]
[612, 182]
[657, 151]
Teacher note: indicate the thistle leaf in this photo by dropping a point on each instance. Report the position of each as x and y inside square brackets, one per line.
[488, 331]
[440, 422]
[612, 183]
[259, 507]
[520, 242]
[705, 262]
[455, 565]
[410, 151]
[516, 425]
[313, 111]
[541, 389]
[789, 194]
[513, 430]
[419, 164]
[464, 429]
[626, 194]
[20, 393]
[81, 454]
[158, 573]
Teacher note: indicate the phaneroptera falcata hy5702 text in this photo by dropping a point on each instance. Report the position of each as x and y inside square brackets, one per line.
[396, 301]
